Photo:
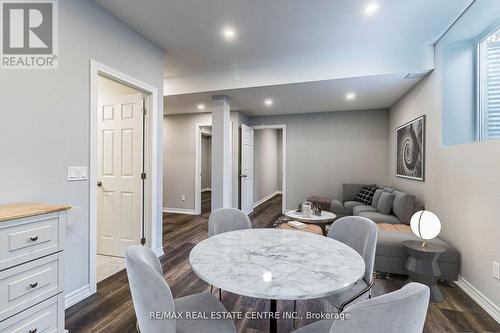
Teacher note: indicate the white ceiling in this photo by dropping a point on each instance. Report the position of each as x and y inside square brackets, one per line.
[374, 92]
[279, 30]
[305, 54]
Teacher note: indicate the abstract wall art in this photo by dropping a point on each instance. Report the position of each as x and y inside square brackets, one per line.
[410, 149]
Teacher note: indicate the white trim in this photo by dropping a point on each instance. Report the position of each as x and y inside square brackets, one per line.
[77, 296]
[206, 189]
[159, 252]
[197, 166]
[491, 308]
[283, 159]
[267, 197]
[179, 211]
[153, 187]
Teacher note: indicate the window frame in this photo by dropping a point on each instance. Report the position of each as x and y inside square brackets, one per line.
[481, 125]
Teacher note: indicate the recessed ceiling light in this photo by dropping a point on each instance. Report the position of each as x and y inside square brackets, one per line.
[350, 96]
[201, 106]
[371, 8]
[268, 102]
[229, 33]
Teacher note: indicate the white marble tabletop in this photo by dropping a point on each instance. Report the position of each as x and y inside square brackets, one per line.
[324, 218]
[276, 264]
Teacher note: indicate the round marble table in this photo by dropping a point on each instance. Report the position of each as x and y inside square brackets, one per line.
[325, 218]
[276, 264]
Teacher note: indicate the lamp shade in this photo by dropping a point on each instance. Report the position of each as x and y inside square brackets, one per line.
[425, 224]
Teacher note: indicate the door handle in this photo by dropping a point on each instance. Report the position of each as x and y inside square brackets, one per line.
[243, 176]
[34, 284]
[99, 183]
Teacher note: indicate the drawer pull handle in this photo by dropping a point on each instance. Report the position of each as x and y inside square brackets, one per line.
[33, 330]
[34, 238]
[34, 284]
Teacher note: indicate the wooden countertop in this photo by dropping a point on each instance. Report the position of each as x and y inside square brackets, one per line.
[19, 210]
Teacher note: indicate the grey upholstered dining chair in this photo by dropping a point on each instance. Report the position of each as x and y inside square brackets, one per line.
[359, 233]
[227, 219]
[403, 310]
[152, 296]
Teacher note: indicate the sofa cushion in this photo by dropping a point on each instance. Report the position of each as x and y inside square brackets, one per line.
[349, 205]
[391, 244]
[388, 189]
[376, 197]
[385, 202]
[380, 218]
[403, 206]
[365, 194]
[362, 208]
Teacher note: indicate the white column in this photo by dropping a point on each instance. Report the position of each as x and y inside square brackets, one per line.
[221, 153]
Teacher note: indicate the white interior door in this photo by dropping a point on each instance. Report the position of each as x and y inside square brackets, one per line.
[246, 176]
[119, 168]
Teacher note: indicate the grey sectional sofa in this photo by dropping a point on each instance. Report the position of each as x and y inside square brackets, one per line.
[393, 229]
[402, 210]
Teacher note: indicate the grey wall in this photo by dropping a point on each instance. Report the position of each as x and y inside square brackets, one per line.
[45, 120]
[325, 150]
[206, 162]
[179, 158]
[462, 183]
[267, 166]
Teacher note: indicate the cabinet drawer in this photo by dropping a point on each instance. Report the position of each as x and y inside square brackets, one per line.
[29, 238]
[45, 317]
[25, 285]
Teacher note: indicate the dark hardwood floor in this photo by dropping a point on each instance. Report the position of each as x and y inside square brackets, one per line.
[111, 309]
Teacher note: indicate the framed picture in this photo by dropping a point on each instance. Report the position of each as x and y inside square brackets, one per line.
[410, 149]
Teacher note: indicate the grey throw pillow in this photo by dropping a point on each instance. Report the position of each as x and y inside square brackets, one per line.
[376, 197]
[385, 202]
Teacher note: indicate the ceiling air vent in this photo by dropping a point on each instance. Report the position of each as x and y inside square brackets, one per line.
[417, 75]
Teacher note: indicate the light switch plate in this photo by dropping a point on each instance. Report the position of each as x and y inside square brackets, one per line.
[77, 173]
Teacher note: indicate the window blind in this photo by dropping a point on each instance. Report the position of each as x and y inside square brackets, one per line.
[491, 113]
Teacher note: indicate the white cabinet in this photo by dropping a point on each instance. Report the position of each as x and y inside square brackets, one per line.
[31, 258]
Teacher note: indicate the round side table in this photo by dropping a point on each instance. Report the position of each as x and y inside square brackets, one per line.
[422, 266]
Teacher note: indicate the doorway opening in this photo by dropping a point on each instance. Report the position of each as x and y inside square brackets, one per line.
[203, 168]
[123, 171]
[263, 166]
[120, 164]
[268, 166]
[206, 169]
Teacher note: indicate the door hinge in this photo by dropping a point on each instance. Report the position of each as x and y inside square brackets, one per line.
[143, 175]
[143, 241]
[144, 112]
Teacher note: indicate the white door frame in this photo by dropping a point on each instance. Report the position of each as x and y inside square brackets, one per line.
[197, 165]
[283, 158]
[152, 152]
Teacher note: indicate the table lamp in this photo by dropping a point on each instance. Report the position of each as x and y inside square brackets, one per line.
[425, 225]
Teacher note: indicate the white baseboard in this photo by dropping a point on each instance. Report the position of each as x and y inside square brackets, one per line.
[491, 308]
[206, 189]
[76, 296]
[267, 197]
[179, 211]
[159, 252]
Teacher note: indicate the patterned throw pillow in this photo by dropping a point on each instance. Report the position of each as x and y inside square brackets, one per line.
[365, 195]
